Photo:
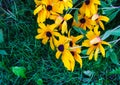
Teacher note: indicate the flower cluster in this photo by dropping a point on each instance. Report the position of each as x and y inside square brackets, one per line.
[62, 38]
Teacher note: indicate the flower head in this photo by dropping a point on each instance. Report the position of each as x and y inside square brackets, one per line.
[84, 22]
[99, 19]
[94, 43]
[47, 33]
[63, 51]
[62, 22]
[90, 7]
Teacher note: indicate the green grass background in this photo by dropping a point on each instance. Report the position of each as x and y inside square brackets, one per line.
[20, 28]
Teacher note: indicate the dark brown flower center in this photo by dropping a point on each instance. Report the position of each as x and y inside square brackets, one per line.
[82, 20]
[87, 2]
[49, 7]
[48, 34]
[61, 47]
[96, 44]
[60, 0]
[71, 43]
[72, 53]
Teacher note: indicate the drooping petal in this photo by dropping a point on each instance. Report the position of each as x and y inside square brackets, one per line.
[91, 55]
[78, 59]
[38, 9]
[90, 50]
[44, 41]
[96, 54]
[64, 27]
[101, 25]
[102, 50]
[39, 36]
[104, 18]
[51, 44]
[86, 43]
[58, 53]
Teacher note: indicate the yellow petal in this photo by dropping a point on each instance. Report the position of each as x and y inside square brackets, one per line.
[58, 20]
[106, 43]
[67, 17]
[91, 55]
[51, 44]
[39, 36]
[102, 50]
[44, 41]
[86, 43]
[90, 50]
[42, 25]
[38, 9]
[90, 35]
[104, 18]
[78, 59]
[64, 27]
[75, 39]
[58, 53]
[96, 30]
[101, 25]
[96, 54]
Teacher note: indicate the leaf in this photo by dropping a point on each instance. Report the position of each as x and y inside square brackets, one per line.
[39, 82]
[3, 52]
[76, 16]
[115, 31]
[115, 71]
[1, 36]
[79, 30]
[19, 71]
[88, 73]
[74, 1]
[113, 56]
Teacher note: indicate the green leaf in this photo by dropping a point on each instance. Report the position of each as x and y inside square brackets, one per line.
[3, 52]
[19, 71]
[115, 32]
[113, 56]
[74, 1]
[115, 71]
[76, 16]
[79, 30]
[1, 36]
[39, 82]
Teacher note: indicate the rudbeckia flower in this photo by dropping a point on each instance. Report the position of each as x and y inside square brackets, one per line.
[99, 19]
[94, 43]
[75, 49]
[90, 7]
[62, 22]
[63, 51]
[47, 9]
[84, 22]
[47, 33]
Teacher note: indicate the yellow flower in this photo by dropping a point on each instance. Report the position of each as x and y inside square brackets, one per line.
[99, 19]
[63, 51]
[90, 7]
[47, 33]
[37, 2]
[47, 9]
[94, 43]
[62, 22]
[75, 49]
[84, 22]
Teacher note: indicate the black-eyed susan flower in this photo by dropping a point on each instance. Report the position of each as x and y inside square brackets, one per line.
[94, 43]
[90, 7]
[47, 9]
[63, 51]
[75, 49]
[62, 22]
[84, 22]
[99, 19]
[47, 33]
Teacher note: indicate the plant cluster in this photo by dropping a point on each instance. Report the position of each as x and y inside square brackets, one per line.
[53, 18]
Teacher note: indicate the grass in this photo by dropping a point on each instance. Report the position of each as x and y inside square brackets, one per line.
[19, 28]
